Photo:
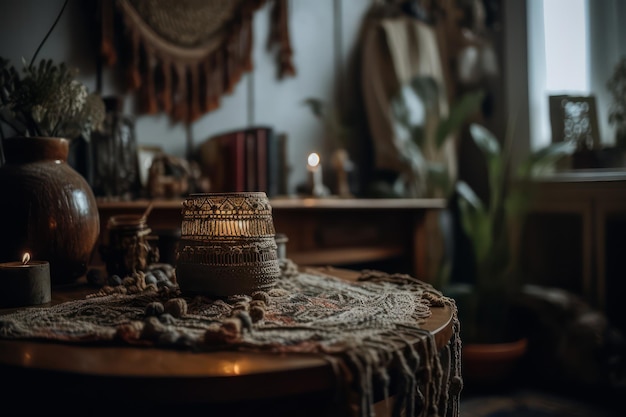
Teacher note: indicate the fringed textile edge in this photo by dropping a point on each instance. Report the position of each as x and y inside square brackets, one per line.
[402, 362]
[429, 381]
[154, 70]
[280, 36]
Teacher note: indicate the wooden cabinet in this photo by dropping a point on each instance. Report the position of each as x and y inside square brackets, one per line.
[575, 237]
[388, 234]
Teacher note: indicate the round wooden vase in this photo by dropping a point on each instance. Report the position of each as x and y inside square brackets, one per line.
[47, 208]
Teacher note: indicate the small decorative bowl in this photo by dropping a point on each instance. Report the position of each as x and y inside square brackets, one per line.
[227, 244]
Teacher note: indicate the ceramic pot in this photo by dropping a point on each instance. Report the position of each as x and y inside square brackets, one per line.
[127, 247]
[47, 209]
[491, 363]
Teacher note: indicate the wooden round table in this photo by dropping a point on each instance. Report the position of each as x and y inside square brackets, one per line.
[49, 377]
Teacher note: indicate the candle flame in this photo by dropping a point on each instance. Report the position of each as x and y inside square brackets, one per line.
[313, 159]
[26, 258]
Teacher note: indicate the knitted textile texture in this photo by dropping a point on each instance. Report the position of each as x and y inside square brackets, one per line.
[367, 329]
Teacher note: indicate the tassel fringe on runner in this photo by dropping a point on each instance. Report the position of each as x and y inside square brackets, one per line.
[368, 330]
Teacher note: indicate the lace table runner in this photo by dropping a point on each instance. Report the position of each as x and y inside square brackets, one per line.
[368, 329]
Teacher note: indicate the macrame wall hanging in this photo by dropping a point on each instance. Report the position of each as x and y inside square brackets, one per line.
[182, 57]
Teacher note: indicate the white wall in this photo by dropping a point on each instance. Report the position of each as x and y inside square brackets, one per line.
[323, 34]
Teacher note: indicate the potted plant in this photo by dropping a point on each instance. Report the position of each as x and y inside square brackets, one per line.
[46, 101]
[492, 227]
[50, 210]
[492, 343]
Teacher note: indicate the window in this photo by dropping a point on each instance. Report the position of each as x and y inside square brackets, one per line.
[558, 58]
[573, 47]
[567, 50]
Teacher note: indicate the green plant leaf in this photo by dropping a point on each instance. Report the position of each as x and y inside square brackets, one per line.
[439, 178]
[517, 202]
[467, 194]
[485, 140]
[415, 106]
[491, 149]
[545, 158]
[478, 228]
[316, 106]
[459, 113]
[497, 164]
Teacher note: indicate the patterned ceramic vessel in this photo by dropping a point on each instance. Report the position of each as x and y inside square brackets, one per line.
[227, 244]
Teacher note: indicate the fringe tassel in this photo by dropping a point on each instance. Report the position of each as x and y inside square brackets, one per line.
[280, 36]
[187, 89]
[149, 95]
[218, 77]
[210, 96]
[134, 76]
[107, 44]
[194, 96]
[166, 88]
[233, 66]
[247, 44]
[180, 100]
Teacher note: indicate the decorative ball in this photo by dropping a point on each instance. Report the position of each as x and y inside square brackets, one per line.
[154, 309]
[177, 307]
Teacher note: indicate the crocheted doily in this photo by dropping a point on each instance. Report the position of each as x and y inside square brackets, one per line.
[368, 329]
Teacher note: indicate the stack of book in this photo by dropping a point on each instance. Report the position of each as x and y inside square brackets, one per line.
[249, 159]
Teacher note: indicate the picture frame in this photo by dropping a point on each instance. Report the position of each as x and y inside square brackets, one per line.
[574, 118]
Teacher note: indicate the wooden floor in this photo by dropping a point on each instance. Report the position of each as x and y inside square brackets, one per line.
[535, 402]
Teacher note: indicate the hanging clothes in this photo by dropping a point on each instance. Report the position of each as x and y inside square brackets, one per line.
[395, 50]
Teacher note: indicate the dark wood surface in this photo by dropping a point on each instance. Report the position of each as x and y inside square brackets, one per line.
[45, 377]
[388, 234]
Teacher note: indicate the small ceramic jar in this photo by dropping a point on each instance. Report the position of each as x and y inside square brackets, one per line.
[128, 248]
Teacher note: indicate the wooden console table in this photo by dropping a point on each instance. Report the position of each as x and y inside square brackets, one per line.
[329, 231]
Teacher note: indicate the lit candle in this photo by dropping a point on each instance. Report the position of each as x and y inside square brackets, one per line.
[24, 283]
[314, 166]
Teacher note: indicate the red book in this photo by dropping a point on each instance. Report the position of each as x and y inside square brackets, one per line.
[250, 161]
[261, 150]
[240, 161]
[232, 147]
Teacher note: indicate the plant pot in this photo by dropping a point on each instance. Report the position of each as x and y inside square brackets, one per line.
[490, 363]
[48, 209]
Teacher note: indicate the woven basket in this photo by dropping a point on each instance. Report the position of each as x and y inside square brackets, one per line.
[227, 244]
